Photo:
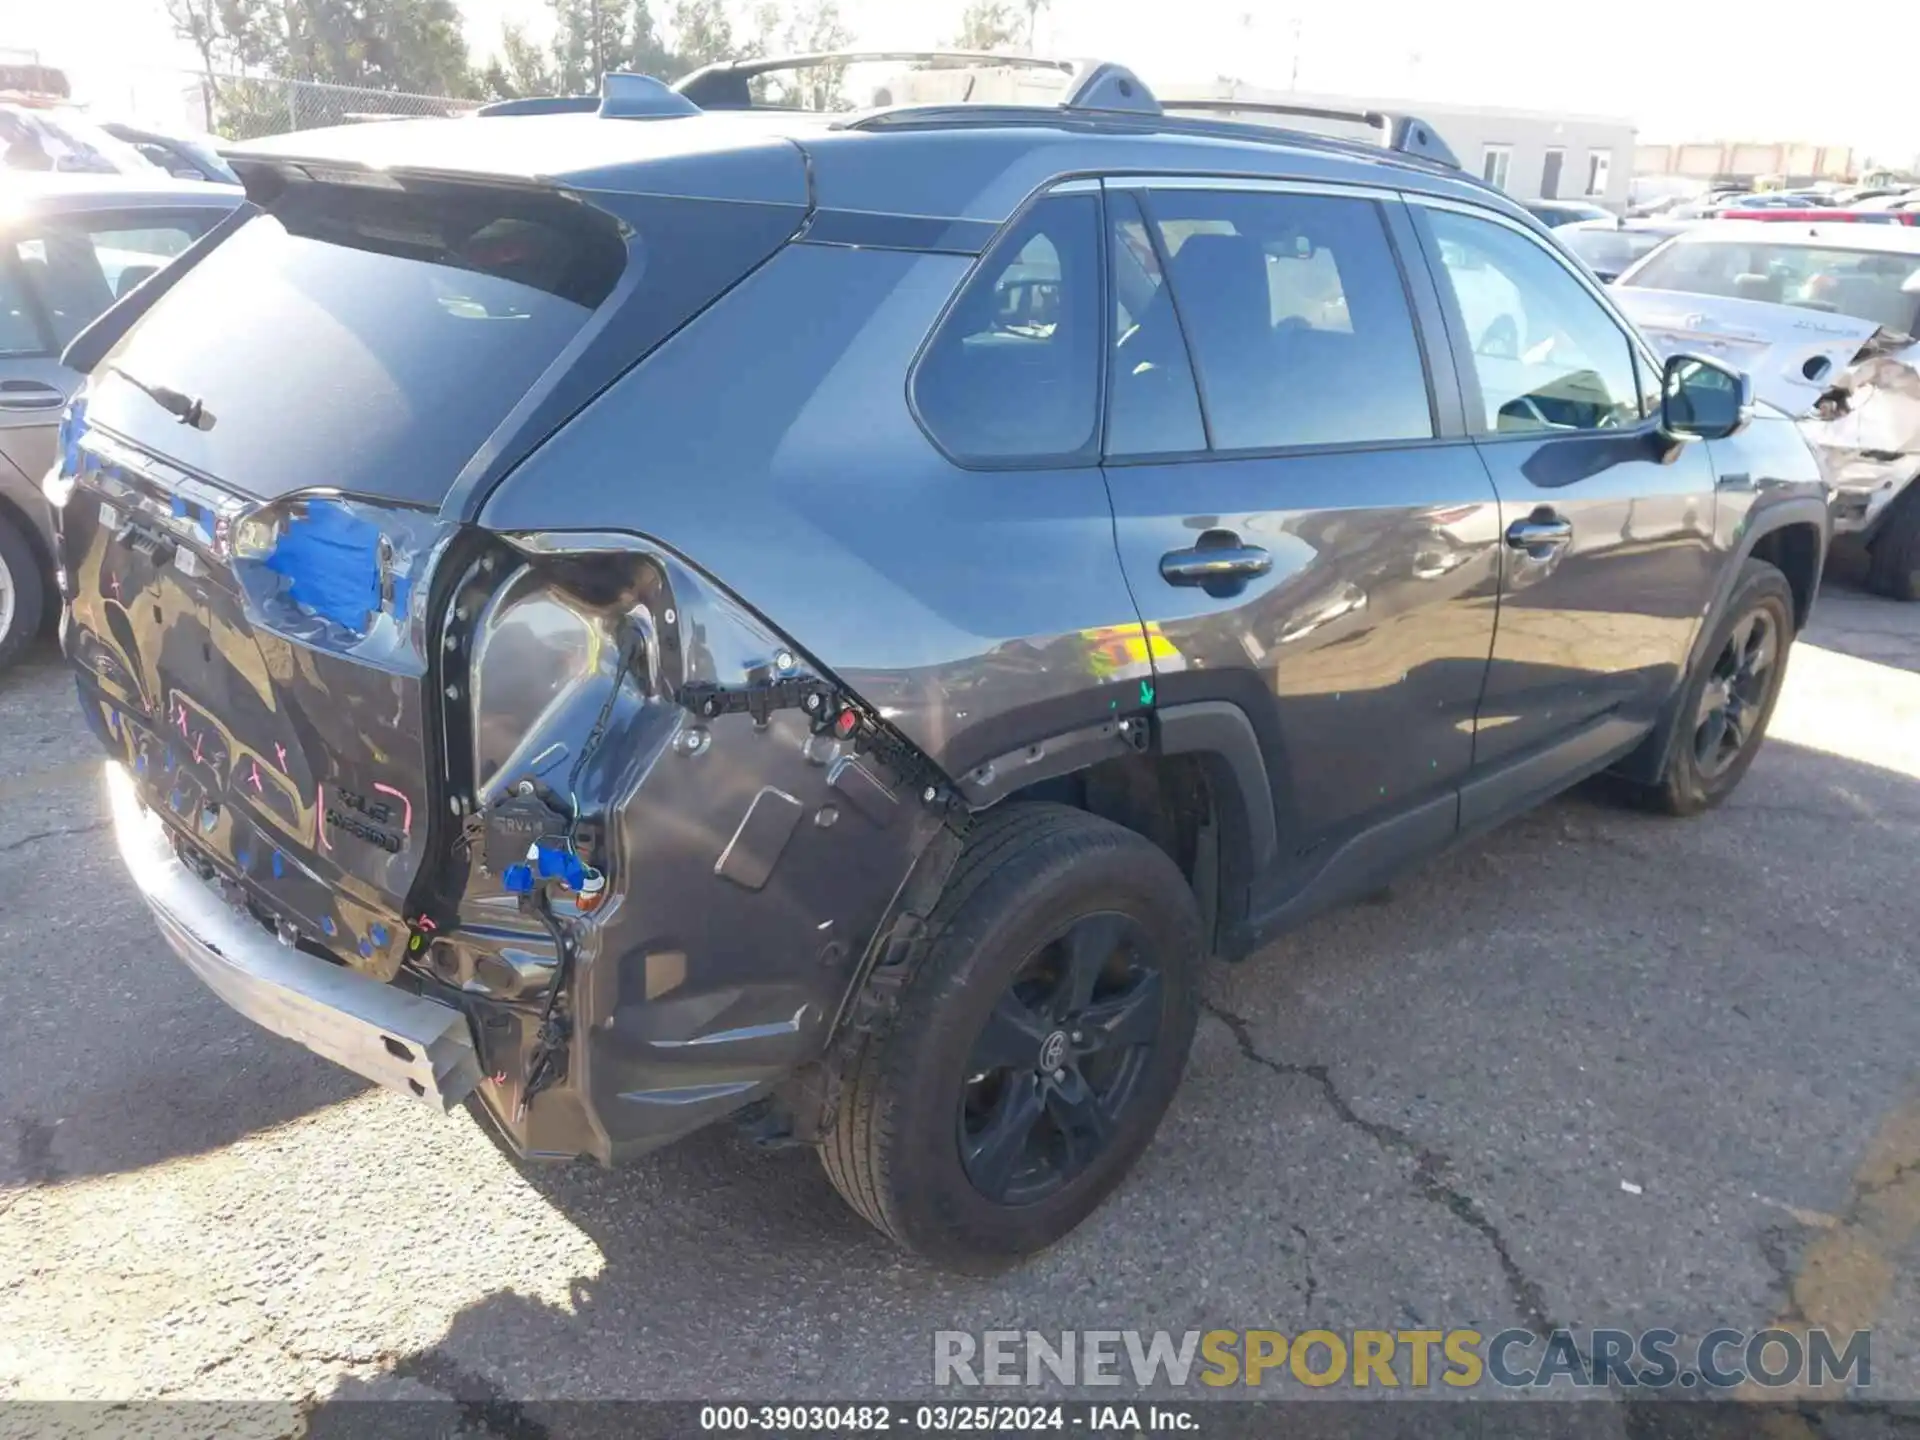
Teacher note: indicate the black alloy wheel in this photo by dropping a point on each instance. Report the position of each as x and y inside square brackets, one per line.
[1733, 701]
[1059, 1059]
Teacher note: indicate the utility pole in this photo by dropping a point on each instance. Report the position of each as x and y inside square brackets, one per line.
[1293, 80]
[599, 60]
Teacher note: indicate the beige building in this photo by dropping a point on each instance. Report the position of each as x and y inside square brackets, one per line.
[1531, 154]
[1745, 160]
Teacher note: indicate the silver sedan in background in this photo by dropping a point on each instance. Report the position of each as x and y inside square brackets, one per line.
[70, 245]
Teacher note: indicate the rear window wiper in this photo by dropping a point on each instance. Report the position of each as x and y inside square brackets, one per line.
[187, 409]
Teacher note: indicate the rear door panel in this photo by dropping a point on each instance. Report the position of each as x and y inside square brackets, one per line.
[1359, 655]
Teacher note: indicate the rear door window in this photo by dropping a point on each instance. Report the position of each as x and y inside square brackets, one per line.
[74, 266]
[1297, 317]
[1012, 376]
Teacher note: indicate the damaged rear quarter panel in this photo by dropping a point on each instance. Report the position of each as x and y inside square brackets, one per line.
[747, 863]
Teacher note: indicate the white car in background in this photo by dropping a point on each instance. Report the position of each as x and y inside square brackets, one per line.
[1824, 318]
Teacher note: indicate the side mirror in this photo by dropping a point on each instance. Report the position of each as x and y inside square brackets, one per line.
[1701, 399]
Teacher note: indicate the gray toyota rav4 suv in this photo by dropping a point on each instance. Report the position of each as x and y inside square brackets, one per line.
[692, 610]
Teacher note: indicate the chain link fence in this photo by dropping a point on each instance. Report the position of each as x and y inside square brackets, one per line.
[243, 107]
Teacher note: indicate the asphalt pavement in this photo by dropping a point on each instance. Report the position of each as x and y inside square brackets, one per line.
[1596, 1069]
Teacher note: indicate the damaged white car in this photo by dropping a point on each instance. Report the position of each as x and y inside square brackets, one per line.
[1824, 319]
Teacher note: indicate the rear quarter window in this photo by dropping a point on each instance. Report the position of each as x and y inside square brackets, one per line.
[1012, 375]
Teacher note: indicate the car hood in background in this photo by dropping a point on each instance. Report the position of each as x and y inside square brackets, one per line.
[1793, 354]
[1853, 385]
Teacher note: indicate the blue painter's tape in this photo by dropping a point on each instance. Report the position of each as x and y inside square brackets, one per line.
[245, 858]
[331, 559]
[379, 933]
[365, 949]
[326, 924]
[279, 865]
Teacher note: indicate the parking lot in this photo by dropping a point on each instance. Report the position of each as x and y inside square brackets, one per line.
[1596, 1069]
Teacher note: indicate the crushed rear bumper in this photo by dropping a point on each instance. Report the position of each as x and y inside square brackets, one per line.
[410, 1044]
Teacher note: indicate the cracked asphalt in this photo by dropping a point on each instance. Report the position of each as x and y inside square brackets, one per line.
[1595, 1069]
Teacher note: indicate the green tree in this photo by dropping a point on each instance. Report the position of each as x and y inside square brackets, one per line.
[703, 33]
[814, 26]
[988, 25]
[522, 67]
[647, 52]
[249, 49]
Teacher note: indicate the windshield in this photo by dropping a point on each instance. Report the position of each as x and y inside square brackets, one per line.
[65, 141]
[1883, 288]
[1609, 252]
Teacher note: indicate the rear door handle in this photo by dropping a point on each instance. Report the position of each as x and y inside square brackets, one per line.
[1211, 564]
[1540, 534]
[30, 395]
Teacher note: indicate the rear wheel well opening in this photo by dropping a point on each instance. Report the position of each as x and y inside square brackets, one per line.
[1794, 550]
[1182, 803]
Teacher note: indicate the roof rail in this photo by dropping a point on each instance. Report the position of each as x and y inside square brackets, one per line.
[1403, 134]
[1091, 84]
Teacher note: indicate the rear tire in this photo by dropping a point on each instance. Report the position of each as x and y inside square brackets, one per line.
[1728, 700]
[1036, 1043]
[23, 591]
[1893, 568]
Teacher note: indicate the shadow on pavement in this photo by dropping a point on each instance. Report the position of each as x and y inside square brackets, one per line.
[720, 1261]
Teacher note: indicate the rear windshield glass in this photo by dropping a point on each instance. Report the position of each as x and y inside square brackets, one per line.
[1882, 288]
[363, 339]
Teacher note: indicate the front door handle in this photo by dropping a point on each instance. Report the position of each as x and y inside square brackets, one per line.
[1540, 534]
[1218, 564]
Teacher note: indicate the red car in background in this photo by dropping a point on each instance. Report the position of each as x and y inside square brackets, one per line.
[1827, 216]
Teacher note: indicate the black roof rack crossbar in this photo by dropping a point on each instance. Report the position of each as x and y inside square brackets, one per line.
[1403, 134]
[1091, 84]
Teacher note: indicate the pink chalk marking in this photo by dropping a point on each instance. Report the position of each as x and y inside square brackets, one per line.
[406, 815]
[198, 740]
[258, 789]
[113, 584]
[281, 751]
[180, 714]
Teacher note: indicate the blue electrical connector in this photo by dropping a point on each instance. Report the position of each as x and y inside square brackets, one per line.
[550, 862]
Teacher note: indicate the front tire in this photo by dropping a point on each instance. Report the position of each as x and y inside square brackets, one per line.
[1036, 1043]
[22, 593]
[1729, 699]
[1893, 567]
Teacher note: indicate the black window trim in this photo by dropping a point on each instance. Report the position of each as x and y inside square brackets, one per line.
[1386, 204]
[1419, 202]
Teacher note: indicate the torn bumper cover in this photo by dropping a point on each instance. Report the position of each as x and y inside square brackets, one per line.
[403, 1041]
[1865, 431]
